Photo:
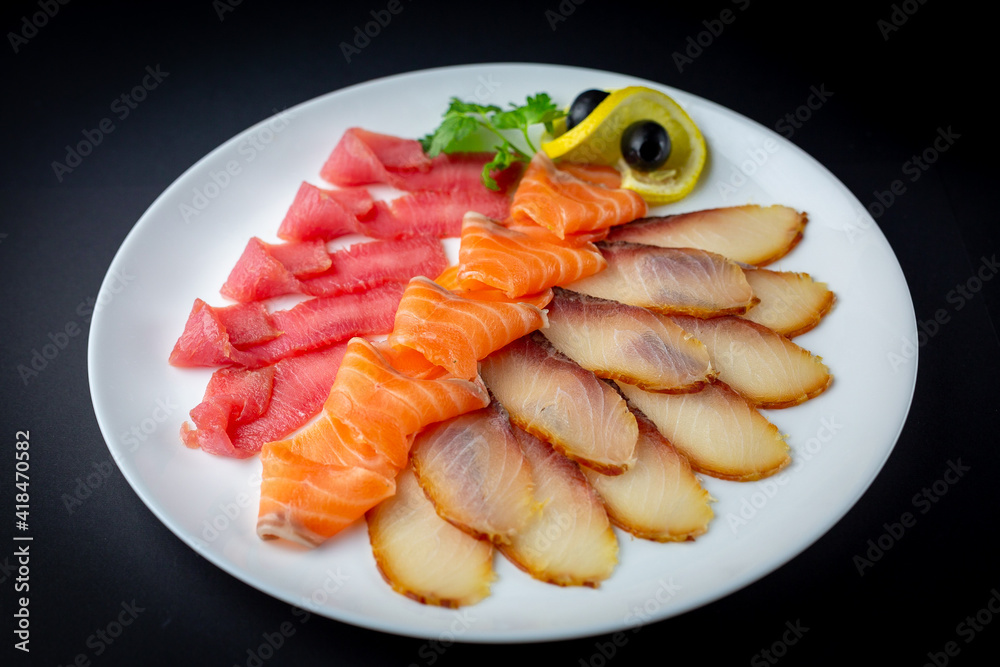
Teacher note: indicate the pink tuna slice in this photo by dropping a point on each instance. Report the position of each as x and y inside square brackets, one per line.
[362, 157]
[324, 214]
[211, 333]
[434, 213]
[264, 270]
[367, 265]
[318, 322]
[243, 408]
[233, 396]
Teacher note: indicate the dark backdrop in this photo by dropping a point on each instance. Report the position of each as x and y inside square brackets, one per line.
[897, 73]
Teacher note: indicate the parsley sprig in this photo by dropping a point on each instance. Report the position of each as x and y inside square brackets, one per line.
[464, 118]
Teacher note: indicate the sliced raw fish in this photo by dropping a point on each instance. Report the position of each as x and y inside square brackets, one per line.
[234, 396]
[267, 270]
[408, 361]
[569, 542]
[308, 502]
[494, 256]
[362, 157]
[449, 280]
[599, 174]
[382, 406]
[790, 303]
[363, 266]
[659, 498]
[716, 429]
[320, 214]
[211, 334]
[628, 343]
[457, 171]
[454, 332]
[566, 204]
[424, 557]
[320, 322]
[751, 234]
[301, 386]
[766, 368]
[473, 470]
[433, 213]
[669, 280]
[555, 399]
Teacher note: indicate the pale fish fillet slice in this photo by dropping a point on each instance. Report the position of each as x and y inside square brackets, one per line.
[472, 469]
[570, 542]
[670, 280]
[628, 343]
[790, 303]
[756, 235]
[424, 557]
[659, 498]
[717, 430]
[766, 368]
[555, 399]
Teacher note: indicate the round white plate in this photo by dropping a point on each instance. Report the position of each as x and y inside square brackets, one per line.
[185, 244]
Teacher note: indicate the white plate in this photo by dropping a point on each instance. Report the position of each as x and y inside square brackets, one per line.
[185, 244]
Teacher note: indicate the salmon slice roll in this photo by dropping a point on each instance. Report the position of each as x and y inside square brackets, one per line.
[449, 280]
[380, 405]
[516, 263]
[308, 502]
[566, 204]
[454, 332]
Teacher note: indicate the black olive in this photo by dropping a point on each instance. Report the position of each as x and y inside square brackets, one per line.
[584, 103]
[645, 145]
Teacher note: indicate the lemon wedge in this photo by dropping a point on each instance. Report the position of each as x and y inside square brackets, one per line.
[597, 140]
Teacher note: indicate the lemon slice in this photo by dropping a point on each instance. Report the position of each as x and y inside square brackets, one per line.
[597, 140]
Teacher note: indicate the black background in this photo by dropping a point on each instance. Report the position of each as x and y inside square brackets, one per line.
[891, 93]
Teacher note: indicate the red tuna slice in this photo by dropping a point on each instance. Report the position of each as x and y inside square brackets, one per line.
[435, 213]
[362, 157]
[210, 333]
[320, 322]
[457, 171]
[301, 386]
[264, 271]
[247, 323]
[324, 214]
[234, 396]
[367, 265]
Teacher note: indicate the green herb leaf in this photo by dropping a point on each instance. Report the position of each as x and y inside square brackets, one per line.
[463, 118]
